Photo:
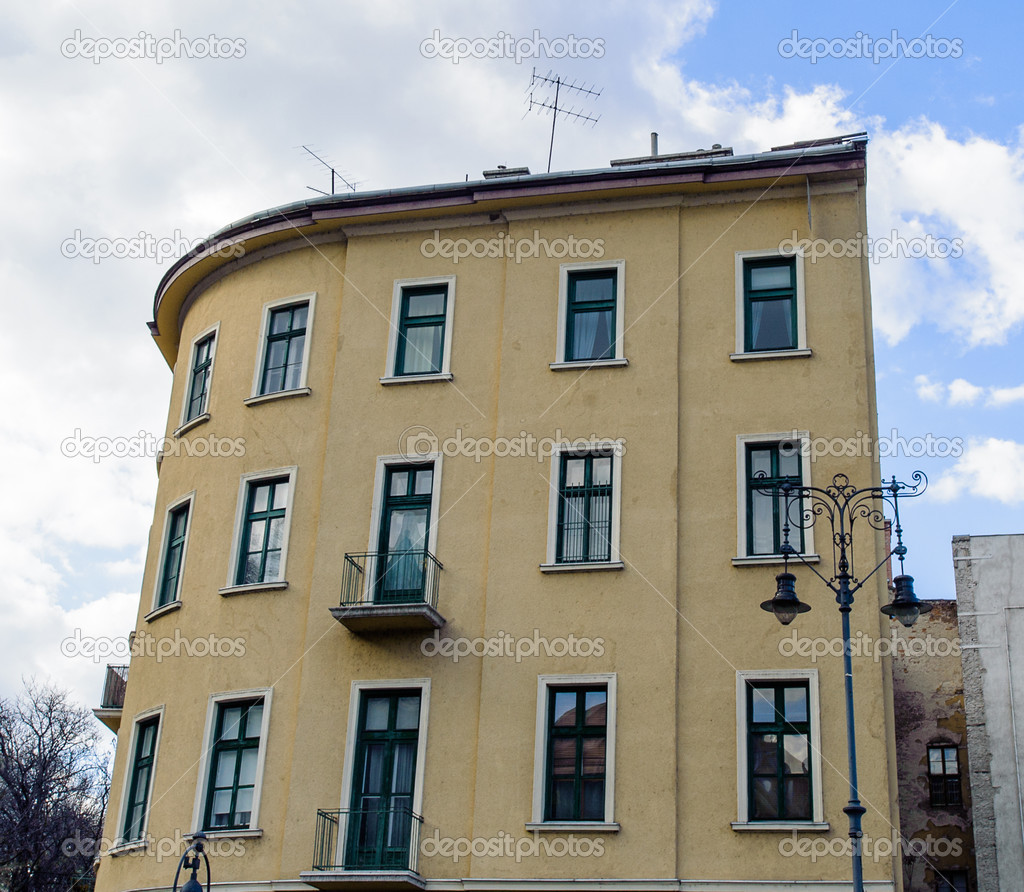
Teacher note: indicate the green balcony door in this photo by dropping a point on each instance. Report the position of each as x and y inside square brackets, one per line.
[405, 522]
[380, 824]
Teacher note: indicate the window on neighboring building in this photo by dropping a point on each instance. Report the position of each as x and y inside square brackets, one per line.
[944, 775]
[199, 378]
[590, 327]
[264, 531]
[285, 349]
[576, 753]
[585, 507]
[169, 586]
[951, 881]
[233, 765]
[768, 466]
[140, 780]
[770, 307]
[778, 751]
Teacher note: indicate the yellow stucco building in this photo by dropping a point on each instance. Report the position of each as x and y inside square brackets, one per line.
[454, 574]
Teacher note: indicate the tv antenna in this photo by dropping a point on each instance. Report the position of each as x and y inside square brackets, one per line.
[334, 175]
[578, 89]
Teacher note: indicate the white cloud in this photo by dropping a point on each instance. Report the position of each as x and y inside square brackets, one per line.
[988, 469]
[1004, 396]
[963, 393]
[928, 390]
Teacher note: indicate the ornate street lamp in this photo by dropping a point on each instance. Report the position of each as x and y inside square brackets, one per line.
[843, 504]
[190, 861]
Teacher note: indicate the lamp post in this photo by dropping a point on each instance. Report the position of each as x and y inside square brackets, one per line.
[842, 504]
[190, 861]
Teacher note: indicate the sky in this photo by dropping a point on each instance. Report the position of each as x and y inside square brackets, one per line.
[146, 147]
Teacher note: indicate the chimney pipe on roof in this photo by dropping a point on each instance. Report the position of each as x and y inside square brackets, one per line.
[654, 145]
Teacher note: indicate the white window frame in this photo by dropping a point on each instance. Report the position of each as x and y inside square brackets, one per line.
[183, 424]
[742, 821]
[391, 375]
[614, 561]
[619, 359]
[357, 690]
[801, 348]
[743, 441]
[261, 352]
[206, 761]
[544, 685]
[247, 480]
[175, 602]
[122, 844]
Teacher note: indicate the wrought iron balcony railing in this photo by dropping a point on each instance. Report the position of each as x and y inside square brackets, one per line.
[390, 590]
[383, 839]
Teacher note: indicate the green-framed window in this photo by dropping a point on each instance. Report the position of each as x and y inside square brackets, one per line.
[944, 776]
[585, 507]
[779, 751]
[285, 348]
[263, 531]
[174, 553]
[576, 765]
[770, 304]
[590, 325]
[233, 761]
[421, 330]
[769, 465]
[199, 379]
[140, 780]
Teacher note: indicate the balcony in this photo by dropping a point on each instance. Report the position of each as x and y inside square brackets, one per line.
[112, 701]
[389, 591]
[366, 848]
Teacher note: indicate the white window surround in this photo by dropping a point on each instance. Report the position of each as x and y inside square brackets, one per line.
[742, 442]
[445, 374]
[614, 562]
[383, 463]
[359, 689]
[158, 610]
[619, 359]
[184, 425]
[206, 759]
[544, 685]
[247, 480]
[261, 349]
[817, 822]
[801, 348]
[125, 845]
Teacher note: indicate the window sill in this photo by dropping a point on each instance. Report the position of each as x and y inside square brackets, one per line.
[417, 379]
[188, 425]
[759, 560]
[126, 848]
[248, 587]
[588, 364]
[169, 607]
[782, 826]
[240, 833]
[582, 568]
[277, 395]
[573, 826]
[754, 355]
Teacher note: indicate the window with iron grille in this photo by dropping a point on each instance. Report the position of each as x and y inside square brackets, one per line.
[944, 776]
[585, 507]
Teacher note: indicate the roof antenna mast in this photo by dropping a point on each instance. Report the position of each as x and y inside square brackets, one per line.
[334, 175]
[578, 89]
